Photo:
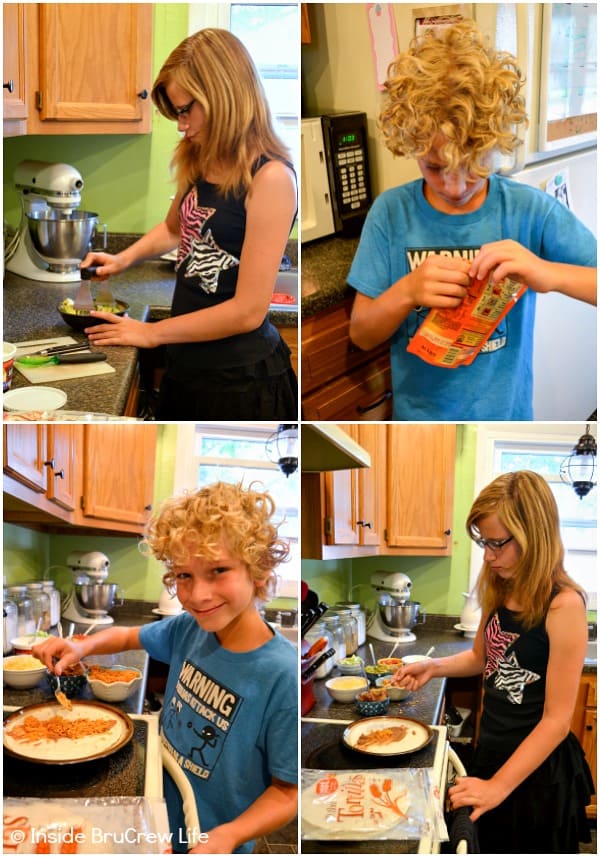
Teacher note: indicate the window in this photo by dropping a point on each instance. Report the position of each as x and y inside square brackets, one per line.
[271, 33]
[209, 453]
[543, 448]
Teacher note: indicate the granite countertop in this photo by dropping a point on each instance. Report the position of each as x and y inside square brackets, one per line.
[30, 313]
[325, 266]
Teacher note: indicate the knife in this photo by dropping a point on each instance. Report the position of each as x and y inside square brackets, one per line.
[60, 349]
[311, 670]
[62, 357]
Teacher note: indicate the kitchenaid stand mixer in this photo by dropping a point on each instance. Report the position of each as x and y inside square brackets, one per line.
[90, 570]
[53, 236]
[395, 614]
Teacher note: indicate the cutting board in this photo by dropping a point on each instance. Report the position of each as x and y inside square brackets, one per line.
[56, 371]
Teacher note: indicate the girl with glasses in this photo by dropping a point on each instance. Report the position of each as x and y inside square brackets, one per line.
[230, 220]
[529, 782]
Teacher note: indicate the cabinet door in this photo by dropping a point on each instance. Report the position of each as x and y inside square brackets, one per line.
[420, 482]
[371, 483]
[118, 474]
[94, 68]
[25, 455]
[61, 465]
[341, 498]
[14, 102]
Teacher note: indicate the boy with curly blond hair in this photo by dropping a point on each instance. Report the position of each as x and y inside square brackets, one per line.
[230, 717]
[454, 104]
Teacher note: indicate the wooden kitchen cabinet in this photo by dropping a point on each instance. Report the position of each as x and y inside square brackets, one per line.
[117, 484]
[406, 496]
[585, 726]
[14, 69]
[39, 465]
[339, 381]
[60, 477]
[89, 68]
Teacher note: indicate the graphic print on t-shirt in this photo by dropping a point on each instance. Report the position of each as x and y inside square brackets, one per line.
[415, 256]
[197, 719]
[197, 247]
[508, 675]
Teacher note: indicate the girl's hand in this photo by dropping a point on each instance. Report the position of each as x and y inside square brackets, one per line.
[439, 281]
[413, 676]
[53, 648]
[121, 330]
[510, 259]
[482, 795]
[106, 264]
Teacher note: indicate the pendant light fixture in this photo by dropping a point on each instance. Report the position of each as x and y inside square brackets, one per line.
[579, 468]
[282, 448]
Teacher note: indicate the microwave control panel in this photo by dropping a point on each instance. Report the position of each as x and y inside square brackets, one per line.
[350, 165]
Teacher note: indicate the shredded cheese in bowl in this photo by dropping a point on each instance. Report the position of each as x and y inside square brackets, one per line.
[23, 662]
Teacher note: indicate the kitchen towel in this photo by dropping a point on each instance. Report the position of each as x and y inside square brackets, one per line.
[56, 371]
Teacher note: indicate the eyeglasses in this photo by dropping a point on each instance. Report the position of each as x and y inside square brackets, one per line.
[495, 545]
[182, 111]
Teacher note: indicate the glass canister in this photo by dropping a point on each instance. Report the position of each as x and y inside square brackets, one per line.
[350, 626]
[10, 624]
[41, 604]
[334, 626]
[360, 616]
[25, 620]
[317, 631]
[54, 596]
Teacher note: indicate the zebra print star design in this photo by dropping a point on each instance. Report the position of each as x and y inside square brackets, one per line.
[497, 642]
[513, 679]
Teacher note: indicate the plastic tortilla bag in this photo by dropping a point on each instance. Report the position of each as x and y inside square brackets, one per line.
[395, 803]
[454, 337]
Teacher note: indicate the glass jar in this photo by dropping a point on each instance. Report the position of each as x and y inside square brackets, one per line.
[25, 620]
[360, 616]
[334, 626]
[54, 596]
[41, 605]
[10, 625]
[315, 633]
[350, 626]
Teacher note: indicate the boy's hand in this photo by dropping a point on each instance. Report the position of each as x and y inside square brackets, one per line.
[56, 647]
[510, 259]
[439, 281]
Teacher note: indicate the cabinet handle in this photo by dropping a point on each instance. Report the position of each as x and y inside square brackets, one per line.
[447, 532]
[51, 463]
[10, 86]
[143, 94]
[148, 508]
[385, 398]
[364, 524]
[59, 474]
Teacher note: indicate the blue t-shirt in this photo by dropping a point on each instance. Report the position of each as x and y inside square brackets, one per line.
[402, 229]
[230, 719]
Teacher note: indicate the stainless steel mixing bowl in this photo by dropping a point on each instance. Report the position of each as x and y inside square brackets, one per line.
[62, 238]
[96, 596]
[399, 616]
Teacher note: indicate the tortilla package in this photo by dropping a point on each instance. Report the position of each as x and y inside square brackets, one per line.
[454, 337]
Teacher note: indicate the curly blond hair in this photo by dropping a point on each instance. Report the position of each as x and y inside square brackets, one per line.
[453, 85]
[199, 524]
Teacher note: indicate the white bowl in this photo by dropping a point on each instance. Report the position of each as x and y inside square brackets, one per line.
[23, 645]
[22, 679]
[114, 691]
[394, 692]
[414, 659]
[343, 688]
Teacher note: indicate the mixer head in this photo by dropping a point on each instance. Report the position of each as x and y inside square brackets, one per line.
[395, 583]
[91, 564]
[59, 184]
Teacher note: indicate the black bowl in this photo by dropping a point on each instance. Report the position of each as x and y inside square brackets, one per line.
[80, 322]
[71, 685]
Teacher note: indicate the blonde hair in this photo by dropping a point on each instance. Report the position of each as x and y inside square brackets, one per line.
[453, 85]
[525, 504]
[199, 524]
[218, 72]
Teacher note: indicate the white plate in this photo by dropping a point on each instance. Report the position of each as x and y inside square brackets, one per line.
[63, 751]
[415, 735]
[464, 629]
[34, 399]
[158, 612]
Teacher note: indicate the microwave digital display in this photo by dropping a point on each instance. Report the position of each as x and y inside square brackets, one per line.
[347, 139]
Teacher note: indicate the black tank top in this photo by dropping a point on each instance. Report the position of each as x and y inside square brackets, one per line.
[516, 661]
[212, 230]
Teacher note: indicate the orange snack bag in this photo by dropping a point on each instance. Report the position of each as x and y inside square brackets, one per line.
[454, 337]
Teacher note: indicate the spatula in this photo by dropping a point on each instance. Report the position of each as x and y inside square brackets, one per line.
[104, 296]
[83, 298]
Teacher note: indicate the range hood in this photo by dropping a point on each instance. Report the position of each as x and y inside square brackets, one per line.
[329, 447]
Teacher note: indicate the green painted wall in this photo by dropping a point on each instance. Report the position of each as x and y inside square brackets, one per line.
[437, 583]
[127, 178]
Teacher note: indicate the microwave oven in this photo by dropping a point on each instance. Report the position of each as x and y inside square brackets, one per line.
[335, 186]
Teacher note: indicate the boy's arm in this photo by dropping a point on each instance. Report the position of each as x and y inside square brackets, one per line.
[510, 259]
[277, 805]
[439, 281]
[105, 642]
